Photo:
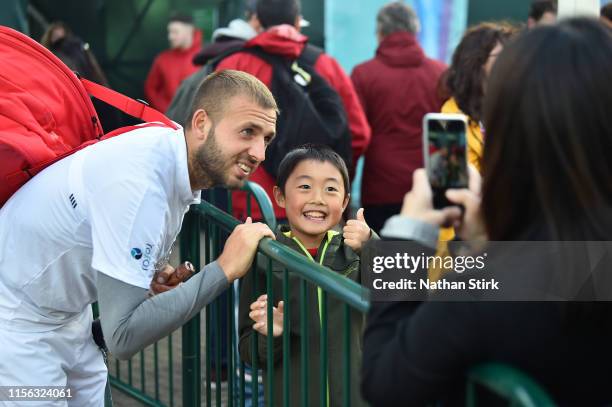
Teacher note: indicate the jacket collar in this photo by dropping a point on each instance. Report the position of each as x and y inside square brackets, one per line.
[283, 40]
[284, 236]
[400, 49]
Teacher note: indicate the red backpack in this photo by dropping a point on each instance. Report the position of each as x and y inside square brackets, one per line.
[46, 113]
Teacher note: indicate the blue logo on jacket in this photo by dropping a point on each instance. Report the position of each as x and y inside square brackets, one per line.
[136, 253]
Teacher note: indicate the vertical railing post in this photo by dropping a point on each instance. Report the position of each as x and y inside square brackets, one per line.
[255, 343]
[231, 371]
[304, 341]
[346, 385]
[190, 251]
[231, 327]
[270, 336]
[142, 372]
[156, 369]
[324, 395]
[286, 341]
[170, 372]
[208, 313]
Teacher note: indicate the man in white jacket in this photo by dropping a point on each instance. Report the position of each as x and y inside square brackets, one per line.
[98, 225]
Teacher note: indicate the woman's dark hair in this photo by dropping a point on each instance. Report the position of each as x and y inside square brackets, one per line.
[465, 78]
[314, 152]
[547, 159]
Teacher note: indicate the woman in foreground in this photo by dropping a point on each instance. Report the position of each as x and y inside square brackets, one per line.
[546, 177]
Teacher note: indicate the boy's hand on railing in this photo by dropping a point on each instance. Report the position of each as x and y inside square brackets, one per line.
[240, 248]
[356, 232]
[259, 312]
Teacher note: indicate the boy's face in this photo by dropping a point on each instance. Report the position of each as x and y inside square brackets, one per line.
[314, 199]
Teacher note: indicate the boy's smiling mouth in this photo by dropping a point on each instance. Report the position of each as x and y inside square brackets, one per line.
[315, 216]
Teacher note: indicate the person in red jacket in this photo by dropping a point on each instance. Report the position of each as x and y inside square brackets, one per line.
[175, 64]
[281, 21]
[396, 88]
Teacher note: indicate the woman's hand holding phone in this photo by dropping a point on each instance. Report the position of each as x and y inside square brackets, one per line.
[418, 203]
[468, 224]
[469, 227]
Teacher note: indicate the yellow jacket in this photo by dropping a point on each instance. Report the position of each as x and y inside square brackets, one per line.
[475, 144]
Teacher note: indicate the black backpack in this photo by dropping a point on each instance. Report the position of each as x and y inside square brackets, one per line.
[311, 111]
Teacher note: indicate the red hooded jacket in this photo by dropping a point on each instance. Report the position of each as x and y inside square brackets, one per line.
[397, 87]
[287, 41]
[169, 69]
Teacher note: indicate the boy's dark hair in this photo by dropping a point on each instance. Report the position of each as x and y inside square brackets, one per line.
[316, 152]
[539, 7]
[277, 12]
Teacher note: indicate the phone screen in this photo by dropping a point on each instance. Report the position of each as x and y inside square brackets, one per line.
[446, 156]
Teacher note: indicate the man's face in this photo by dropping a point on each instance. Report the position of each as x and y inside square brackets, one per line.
[180, 35]
[236, 145]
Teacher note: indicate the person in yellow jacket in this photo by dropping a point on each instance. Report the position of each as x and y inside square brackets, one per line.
[465, 81]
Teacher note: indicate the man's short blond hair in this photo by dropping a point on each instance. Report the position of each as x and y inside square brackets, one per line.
[220, 87]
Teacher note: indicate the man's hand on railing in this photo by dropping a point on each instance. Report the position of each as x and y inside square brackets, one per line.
[356, 232]
[240, 248]
[258, 314]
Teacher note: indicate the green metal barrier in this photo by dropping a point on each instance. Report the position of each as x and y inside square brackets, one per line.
[263, 201]
[173, 371]
[351, 293]
[508, 383]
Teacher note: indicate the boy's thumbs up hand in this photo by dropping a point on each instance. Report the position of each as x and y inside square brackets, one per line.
[356, 231]
[359, 215]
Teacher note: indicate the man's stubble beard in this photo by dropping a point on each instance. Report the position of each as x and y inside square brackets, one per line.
[210, 162]
[213, 166]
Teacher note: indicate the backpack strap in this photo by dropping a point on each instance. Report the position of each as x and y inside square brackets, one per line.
[310, 54]
[126, 104]
[21, 176]
[214, 62]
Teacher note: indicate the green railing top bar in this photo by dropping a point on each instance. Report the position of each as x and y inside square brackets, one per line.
[349, 291]
[515, 386]
[263, 200]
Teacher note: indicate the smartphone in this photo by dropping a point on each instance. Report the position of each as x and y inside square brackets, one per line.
[445, 154]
